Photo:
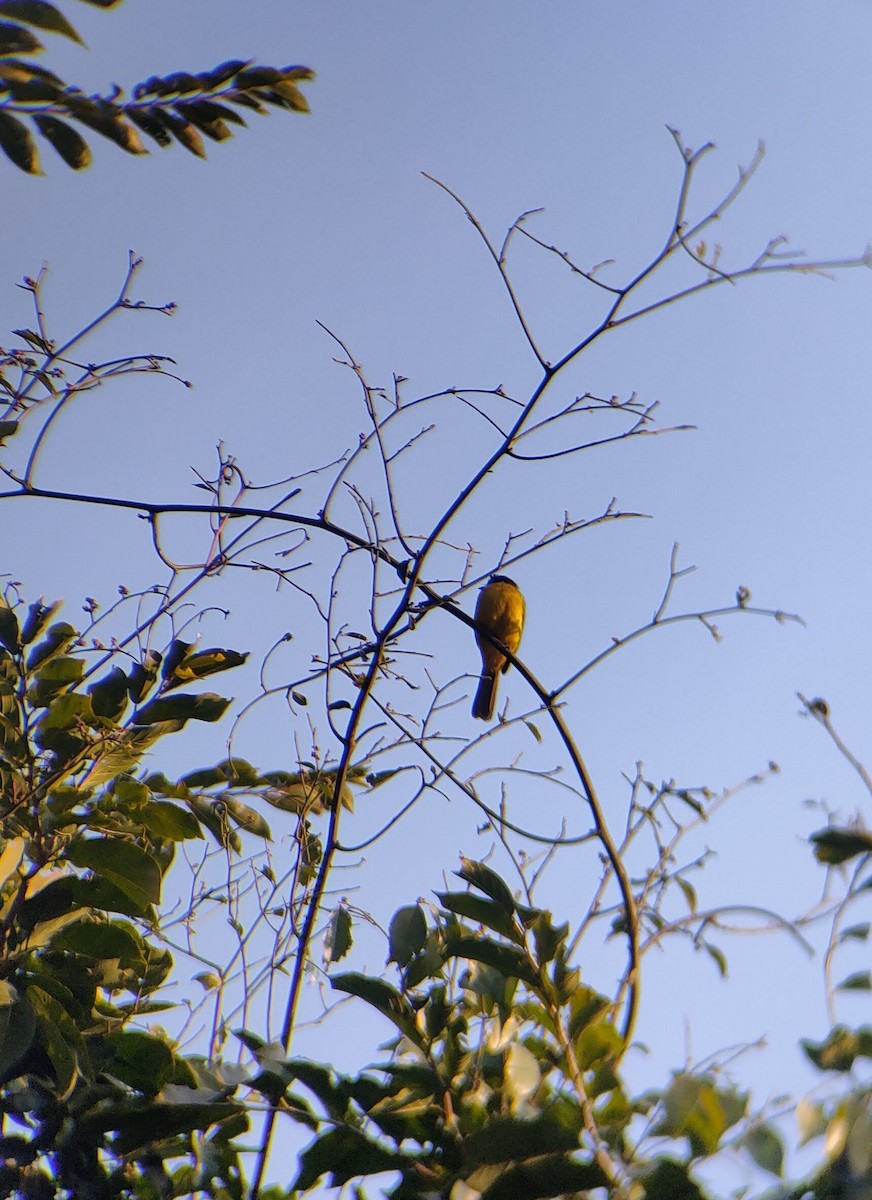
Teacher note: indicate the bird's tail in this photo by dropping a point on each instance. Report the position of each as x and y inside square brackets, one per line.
[485, 698]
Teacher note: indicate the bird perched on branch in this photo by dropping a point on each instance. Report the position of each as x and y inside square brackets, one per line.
[500, 611]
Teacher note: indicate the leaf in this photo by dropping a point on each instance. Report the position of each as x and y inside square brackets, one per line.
[833, 846]
[109, 694]
[69, 144]
[337, 938]
[37, 612]
[245, 817]
[765, 1147]
[207, 117]
[141, 1060]
[59, 638]
[41, 14]
[149, 121]
[102, 939]
[184, 132]
[504, 1139]
[510, 961]
[551, 1175]
[483, 911]
[381, 996]
[8, 429]
[126, 865]
[487, 881]
[720, 959]
[106, 119]
[57, 674]
[182, 707]
[169, 821]
[860, 981]
[669, 1180]
[407, 934]
[839, 1050]
[17, 144]
[15, 40]
[11, 858]
[344, 1153]
[9, 635]
[17, 1029]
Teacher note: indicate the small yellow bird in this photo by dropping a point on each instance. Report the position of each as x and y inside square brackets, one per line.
[500, 611]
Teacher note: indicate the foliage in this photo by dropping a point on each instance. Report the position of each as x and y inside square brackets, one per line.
[506, 1073]
[182, 107]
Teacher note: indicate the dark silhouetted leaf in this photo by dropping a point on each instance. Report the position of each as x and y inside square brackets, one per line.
[338, 939]
[483, 911]
[122, 863]
[17, 144]
[487, 881]
[833, 846]
[14, 39]
[182, 707]
[408, 932]
[41, 14]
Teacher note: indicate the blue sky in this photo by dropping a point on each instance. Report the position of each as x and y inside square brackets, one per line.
[565, 106]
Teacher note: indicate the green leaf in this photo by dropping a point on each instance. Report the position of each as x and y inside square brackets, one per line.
[766, 1148]
[839, 1050]
[510, 961]
[141, 1060]
[169, 821]
[41, 14]
[68, 142]
[245, 817]
[483, 911]
[182, 707]
[860, 981]
[487, 881]
[17, 1029]
[693, 1110]
[345, 1154]
[9, 634]
[126, 865]
[586, 1006]
[833, 846]
[386, 999]
[719, 958]
[100, 940]
[57, 1034]
[504, 1139]
[669, 1180]
[56, 674]
[551, 1175]
[407, 934]
[598, 1043]
[338, 940]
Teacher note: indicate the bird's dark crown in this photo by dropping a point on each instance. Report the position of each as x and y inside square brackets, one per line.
[501, 579]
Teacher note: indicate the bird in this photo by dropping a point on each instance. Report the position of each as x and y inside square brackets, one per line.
[500, 612]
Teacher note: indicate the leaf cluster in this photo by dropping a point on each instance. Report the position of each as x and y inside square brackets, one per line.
[91, 1095]
[182, 107]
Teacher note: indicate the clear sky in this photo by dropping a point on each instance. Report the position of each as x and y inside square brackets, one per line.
[562, 105]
